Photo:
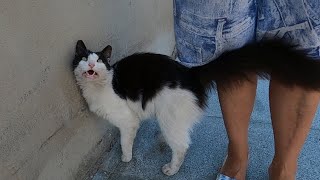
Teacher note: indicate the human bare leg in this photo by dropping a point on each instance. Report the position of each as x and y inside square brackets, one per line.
[292, 112]
[237, 104]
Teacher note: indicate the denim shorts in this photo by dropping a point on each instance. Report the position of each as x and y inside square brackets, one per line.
[206, 28]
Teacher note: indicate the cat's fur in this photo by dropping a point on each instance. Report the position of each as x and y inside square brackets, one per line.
[146, 85]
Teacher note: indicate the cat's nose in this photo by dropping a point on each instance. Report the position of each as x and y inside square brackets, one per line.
[91, 65]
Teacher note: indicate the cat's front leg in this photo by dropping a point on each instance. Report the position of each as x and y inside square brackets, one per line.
[128, 134]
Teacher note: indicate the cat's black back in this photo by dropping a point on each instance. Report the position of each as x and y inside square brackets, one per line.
[143, 75]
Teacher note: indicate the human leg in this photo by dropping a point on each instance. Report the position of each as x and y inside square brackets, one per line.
[237, 105]
[204, 30]
[292, 109]
[292, 112]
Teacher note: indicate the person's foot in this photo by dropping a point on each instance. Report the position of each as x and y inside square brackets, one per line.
[282, 171]
[235, 167]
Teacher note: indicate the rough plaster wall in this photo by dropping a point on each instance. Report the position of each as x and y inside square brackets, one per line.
[46, 131]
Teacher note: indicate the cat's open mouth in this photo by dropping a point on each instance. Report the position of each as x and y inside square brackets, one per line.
[91, 74]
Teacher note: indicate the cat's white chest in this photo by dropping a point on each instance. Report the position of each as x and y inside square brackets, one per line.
[107, 104]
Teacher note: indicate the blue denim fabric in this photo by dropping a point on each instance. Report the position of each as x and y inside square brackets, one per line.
[204, 28]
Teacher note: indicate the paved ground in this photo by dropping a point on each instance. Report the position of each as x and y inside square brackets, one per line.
[207, 152]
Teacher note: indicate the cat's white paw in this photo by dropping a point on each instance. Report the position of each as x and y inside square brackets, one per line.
[126, 158]
[168, 170]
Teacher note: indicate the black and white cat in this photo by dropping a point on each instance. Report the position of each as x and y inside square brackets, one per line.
[146, 85]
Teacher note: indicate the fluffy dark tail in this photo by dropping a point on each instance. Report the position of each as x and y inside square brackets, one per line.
[267, 59]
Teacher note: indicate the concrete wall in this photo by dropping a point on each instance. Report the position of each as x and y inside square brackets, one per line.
[46, 131]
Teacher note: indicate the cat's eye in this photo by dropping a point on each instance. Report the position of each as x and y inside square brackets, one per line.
[99, 60]
[84, 59]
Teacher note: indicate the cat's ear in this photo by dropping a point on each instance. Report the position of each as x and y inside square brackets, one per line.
[106, 52]
[81, 49]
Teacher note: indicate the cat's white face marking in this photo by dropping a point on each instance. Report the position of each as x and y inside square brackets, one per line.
[91, 68]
